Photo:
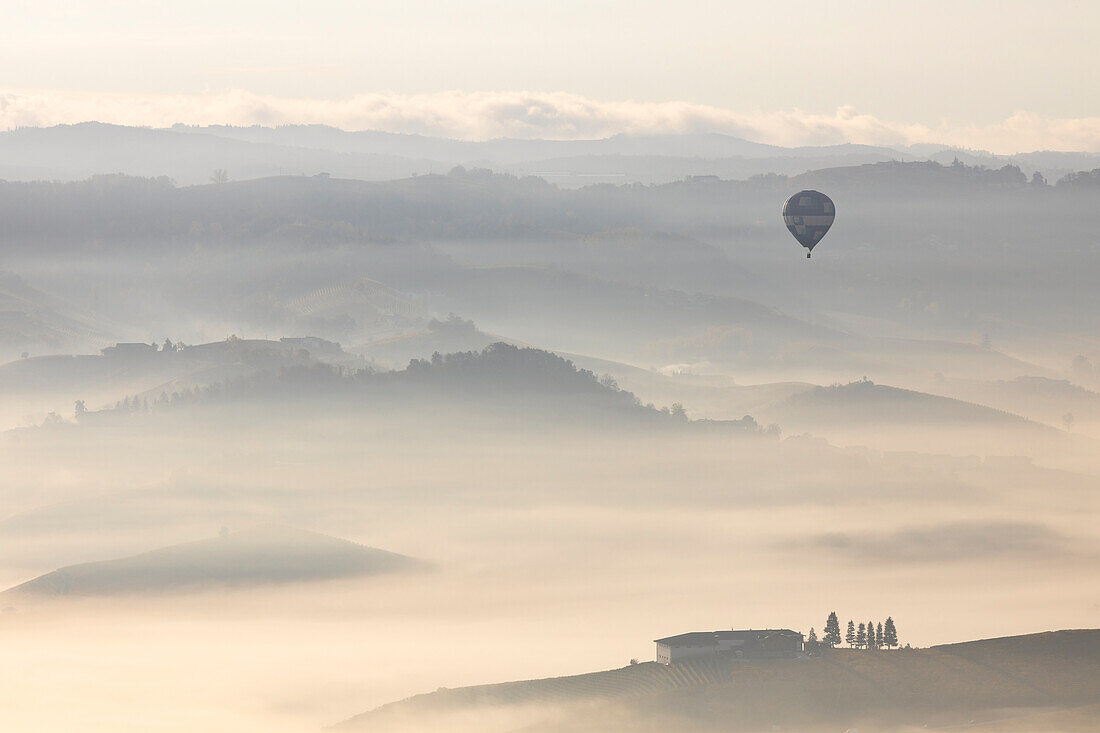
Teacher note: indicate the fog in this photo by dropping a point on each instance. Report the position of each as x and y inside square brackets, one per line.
[571, 420]
[568, 546]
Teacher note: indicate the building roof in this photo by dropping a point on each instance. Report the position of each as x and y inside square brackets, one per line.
[711, 638]
[127, 346]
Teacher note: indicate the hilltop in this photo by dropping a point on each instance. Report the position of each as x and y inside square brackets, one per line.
[523, 385]
[129, 364]
[259, 556]
[866, 402]
[447, 336]
[1049, 674]
[143, 373]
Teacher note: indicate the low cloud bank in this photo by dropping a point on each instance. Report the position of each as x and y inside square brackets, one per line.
[551, 115]
[946, 542]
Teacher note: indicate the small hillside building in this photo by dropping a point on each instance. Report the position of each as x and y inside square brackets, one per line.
[129, 349]
[746, 643]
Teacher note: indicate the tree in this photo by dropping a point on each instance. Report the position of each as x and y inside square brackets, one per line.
[812, 645]
[220, 175]
[832, 631]
[890, 633]
[861, 635]
[878, 636]
[79, 409]
[850, 637]
[871, 641]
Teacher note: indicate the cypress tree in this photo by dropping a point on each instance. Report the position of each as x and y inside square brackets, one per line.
[861, 635]
[832, 631]
[871, 641]
[850, 637]
[879, 641]
[890, 633]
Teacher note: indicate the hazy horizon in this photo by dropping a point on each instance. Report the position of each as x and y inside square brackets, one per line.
[971, 77]
[472, 115]
[405, 367]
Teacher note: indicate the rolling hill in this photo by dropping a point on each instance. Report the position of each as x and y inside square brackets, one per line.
[259, 556]
[864, 402]
[37, 385]
[1044, 677]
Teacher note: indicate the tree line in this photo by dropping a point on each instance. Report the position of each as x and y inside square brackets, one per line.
[867, 635]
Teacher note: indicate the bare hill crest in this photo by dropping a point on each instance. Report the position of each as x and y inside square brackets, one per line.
[258, 556]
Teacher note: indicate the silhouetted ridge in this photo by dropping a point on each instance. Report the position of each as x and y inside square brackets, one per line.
[473, 203]
[957, 683]
[501, 379]
[499, 371]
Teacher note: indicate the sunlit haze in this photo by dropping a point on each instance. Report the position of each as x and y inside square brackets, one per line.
[549, 367]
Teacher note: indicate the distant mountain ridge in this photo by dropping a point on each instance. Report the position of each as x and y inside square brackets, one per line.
[189, 154]
[514, 150]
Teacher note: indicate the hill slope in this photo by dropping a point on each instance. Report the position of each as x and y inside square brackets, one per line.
[449, 336]
[867, 402]
[982, 681]
[258, 556]
[33, 321]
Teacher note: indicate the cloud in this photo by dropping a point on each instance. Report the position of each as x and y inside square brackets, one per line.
[944, 542]
[554, 115]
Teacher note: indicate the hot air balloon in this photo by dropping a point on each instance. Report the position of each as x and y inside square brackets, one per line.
[808, 215]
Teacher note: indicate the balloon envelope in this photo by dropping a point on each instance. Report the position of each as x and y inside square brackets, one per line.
[808, 215]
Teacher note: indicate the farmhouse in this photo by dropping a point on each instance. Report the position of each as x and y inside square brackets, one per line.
[129, 349]
[748, 643]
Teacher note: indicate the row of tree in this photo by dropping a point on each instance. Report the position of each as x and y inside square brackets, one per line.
[867, 635]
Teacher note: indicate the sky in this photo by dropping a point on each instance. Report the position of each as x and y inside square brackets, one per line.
[1001, 75]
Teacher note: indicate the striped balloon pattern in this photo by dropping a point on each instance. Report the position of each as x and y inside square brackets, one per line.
[808, 216]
